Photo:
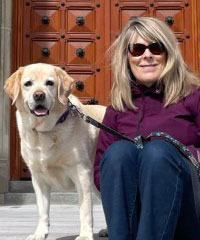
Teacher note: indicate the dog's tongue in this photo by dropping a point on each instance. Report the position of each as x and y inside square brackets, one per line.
[41, 111]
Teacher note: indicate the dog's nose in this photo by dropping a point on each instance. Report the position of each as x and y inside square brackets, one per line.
[39, 96]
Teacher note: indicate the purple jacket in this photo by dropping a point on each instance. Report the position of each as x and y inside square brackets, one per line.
[181, 121]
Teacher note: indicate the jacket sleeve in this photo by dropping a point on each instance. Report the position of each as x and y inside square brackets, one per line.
[105, 139]
[193, 104]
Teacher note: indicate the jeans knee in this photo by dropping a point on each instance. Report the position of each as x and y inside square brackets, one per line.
[120, 154]
[159, 154]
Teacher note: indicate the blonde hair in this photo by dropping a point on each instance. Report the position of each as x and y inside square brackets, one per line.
[178, 81]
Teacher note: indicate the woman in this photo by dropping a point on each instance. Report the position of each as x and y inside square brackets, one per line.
[147, 193]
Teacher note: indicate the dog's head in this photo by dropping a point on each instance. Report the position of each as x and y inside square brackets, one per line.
[40, 86]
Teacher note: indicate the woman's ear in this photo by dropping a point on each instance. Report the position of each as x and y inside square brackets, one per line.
[12, 84]
[65, 85]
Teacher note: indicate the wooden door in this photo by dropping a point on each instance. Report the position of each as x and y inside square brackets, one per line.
[75, 34]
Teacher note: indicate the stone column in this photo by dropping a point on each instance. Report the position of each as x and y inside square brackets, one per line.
[5, 70]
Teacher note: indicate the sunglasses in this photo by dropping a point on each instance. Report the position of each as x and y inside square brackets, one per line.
[137, 49]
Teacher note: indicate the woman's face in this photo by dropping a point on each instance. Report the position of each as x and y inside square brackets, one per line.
[148, 67]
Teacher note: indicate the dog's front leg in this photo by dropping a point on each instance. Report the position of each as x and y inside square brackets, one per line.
[82, 180]
[42, 191]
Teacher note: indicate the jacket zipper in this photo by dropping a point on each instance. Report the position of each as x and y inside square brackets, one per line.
[140, 118]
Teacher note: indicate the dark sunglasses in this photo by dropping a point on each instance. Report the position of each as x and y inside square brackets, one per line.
[137, 49]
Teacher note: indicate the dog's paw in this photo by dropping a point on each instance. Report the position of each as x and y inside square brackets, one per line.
[41, 232]
[37, 237]
[84, 238]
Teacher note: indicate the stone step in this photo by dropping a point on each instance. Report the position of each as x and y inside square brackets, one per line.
[56, 198]
[21, 192]
[20, 187]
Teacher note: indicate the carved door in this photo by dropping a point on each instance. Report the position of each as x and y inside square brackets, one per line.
[75, 34]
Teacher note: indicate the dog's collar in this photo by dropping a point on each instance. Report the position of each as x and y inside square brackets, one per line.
[63, 117]
[72, 109]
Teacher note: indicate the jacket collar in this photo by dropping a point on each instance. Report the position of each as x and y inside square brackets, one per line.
[138, 89]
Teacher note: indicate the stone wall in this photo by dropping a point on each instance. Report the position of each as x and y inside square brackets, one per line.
[5, 70]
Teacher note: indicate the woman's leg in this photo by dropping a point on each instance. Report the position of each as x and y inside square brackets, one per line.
[118, 184]
[164, 185]
[188, 227]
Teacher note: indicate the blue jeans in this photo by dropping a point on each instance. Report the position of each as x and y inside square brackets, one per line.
[147, 194]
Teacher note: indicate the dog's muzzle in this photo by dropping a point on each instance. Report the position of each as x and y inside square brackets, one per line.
[40, 109]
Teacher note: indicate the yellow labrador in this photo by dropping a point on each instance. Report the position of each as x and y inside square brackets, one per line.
[57, 146]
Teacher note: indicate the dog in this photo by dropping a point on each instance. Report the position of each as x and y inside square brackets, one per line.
[57, 146]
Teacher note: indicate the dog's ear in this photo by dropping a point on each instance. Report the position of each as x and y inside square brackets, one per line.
[65, 85]
[12, 85]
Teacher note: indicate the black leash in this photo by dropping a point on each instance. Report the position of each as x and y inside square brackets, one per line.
[140, 141]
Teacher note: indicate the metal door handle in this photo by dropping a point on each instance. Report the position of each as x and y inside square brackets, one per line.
[169, 20]
[45, 20]
[45, 52]
[80, 21]
[80, 52]
[93, 101]
[80, 85]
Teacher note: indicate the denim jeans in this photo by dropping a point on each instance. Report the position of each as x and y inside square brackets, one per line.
[147, 194]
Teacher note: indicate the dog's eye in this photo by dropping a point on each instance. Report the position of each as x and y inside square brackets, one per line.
[28, 84]
[49, 83]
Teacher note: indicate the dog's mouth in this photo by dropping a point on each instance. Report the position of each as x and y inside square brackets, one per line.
[40, 111]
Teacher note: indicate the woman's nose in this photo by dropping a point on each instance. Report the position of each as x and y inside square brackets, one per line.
[147, 53]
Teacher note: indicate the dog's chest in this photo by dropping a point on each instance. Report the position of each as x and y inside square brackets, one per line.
[40, 147]
[48, 159]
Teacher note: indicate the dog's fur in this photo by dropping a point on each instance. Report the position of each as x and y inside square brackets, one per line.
[56, 154]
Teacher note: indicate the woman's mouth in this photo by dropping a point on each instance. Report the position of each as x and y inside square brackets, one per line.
[149, 67]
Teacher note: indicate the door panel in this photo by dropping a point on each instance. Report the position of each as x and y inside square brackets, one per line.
[81, 21]
[127, 13]
[80, 52]
[181, 1]
[81, 1]
[85, 86]
[141, 2]
[173, 17]
[48, 0]
[45, 51]
[45, 20]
